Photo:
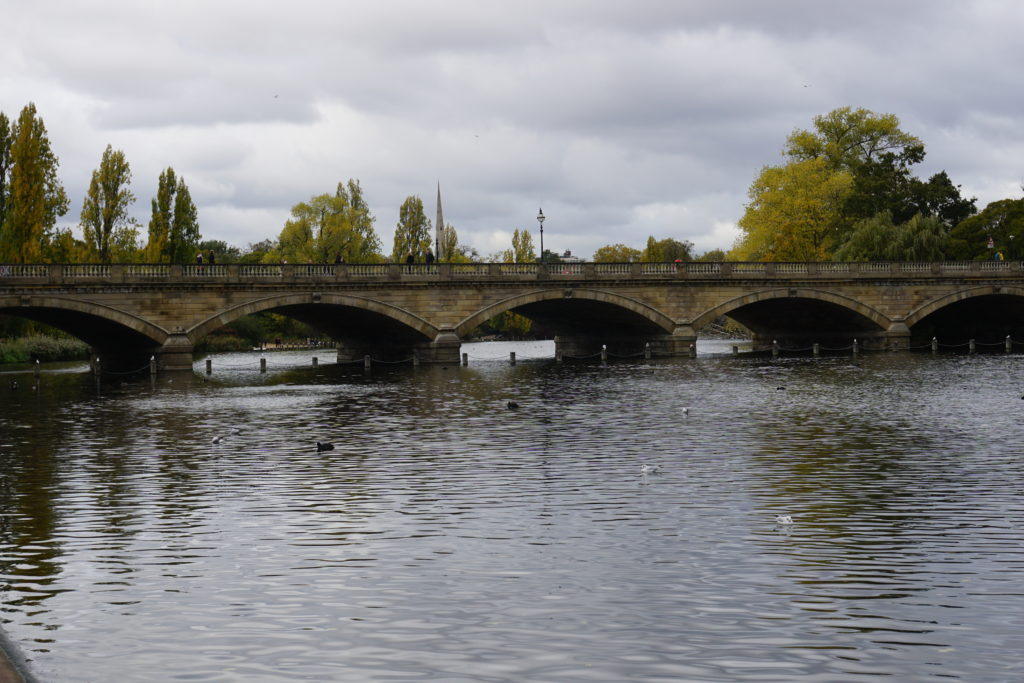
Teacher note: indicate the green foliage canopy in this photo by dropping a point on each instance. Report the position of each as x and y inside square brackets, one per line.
[412, 233]
[110, 231]
[32, 195]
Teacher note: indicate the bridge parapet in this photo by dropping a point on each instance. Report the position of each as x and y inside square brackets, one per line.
[29, 274]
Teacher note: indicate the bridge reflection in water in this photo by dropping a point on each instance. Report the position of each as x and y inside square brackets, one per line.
[129, 312]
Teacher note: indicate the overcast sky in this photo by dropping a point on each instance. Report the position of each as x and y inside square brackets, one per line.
[621, 119]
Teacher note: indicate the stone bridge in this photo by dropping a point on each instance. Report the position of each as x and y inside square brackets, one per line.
[129, 312]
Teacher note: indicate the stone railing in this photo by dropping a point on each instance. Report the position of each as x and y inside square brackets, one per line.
[369, 272]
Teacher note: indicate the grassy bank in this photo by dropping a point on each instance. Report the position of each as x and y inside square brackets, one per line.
[43, 349]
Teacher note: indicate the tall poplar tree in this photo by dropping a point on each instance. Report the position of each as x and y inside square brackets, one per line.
[35, 198]
[173, 226]
[412, 233]
[110, 232]
[5, 164]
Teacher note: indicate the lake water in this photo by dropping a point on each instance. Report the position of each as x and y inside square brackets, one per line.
[450, 538]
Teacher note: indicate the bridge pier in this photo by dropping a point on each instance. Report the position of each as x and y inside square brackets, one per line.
[444, 349]
[675, 345]
[897, 337]
[176, 353]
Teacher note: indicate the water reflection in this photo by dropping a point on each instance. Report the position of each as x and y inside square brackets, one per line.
[449, 538]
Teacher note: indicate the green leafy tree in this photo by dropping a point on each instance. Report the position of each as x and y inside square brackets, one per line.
[224, 252]
[260, 252]
[668, 249]
[853, 166]
[522, 247]
[448, 245]
[5, 164]
[412, 233]
[362, 222]
[173, 227]
[922, 238]
[713, 255]
[111, 233]
[1002, 221]
[846, 138]
[34, 197]
[329, 227]
[616, 253]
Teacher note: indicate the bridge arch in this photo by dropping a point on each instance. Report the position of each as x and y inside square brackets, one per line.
[78, 317]
[865, 311]
[310, 303]
[922, 312]
[653, 317]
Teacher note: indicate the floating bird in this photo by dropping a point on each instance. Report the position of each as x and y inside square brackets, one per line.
[217, 439]
[783, 519]
[649, 469]
[320, 447]
[780, 388]
[686, 411]
[511, 405]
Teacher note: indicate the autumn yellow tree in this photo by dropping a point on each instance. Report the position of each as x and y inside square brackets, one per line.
[793, 212]
[616, 253]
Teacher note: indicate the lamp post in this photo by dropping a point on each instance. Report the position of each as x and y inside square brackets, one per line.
[540, 219]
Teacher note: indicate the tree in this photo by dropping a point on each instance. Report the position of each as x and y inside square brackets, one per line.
[853, 166]
[412, 233]
[922, 238]
[226, 253]
[362, 222]
[448, 245]
[329, 227]
[522, 247]
[260, 252]
[5, 164]
[616, 253]
[846, 138]
[35, 198]
[110, 232]
[668, 249]
[793, 213]
[173, 227]
[713, 255]
[1002, 221]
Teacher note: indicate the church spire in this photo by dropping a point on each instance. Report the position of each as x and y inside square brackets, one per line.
[439, 226]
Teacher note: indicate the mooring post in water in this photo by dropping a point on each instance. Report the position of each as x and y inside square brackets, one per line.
[367, 362]
[970, 346]
[693, 350]
[465, 359]
[209, 366]
[36, 371]
[775, 348]
[1009, 344]
[935, 345]
[96, 366]
[604, 353]
[511, 357]
[558, 355]
[816, 349]
[735, 350]
[415, 358]
[152, 366]
[647, 351]
[856, 348]
[263, 364]
[316, 361]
